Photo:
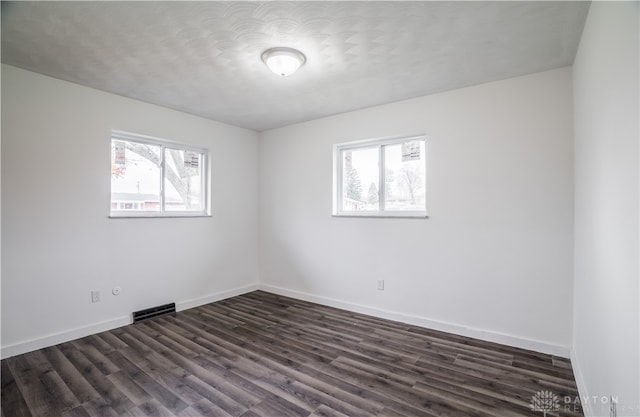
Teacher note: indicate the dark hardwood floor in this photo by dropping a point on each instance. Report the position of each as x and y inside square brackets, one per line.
[265, 355]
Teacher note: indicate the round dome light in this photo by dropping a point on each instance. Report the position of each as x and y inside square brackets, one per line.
[283, 61]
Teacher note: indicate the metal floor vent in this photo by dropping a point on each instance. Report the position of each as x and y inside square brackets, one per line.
[152, 312]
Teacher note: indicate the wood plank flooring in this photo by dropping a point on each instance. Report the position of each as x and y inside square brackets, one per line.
[261, 354]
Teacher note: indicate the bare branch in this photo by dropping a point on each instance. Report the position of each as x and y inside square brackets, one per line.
[144, 151]
[175, 179]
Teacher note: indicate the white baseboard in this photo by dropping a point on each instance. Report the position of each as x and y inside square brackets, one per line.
[76, 333]
[61, 337]
[490, 336]
[211, 298]
[582, 387]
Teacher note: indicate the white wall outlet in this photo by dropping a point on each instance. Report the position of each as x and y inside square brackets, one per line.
[380, 285]
[95, 296]
[116, 290]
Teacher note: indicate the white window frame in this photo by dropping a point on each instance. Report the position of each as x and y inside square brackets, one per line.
[339, 149]
[162, 143]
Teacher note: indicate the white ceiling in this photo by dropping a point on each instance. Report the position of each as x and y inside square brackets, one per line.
[204, 57]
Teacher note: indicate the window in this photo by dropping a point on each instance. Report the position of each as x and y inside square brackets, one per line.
[156, 178]
[381, 178]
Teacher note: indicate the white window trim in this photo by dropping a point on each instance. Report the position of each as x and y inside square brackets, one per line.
[150, 140]
[338, 149]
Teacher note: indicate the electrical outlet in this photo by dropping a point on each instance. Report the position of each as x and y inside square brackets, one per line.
[380, 285]
[95, 296]
[116, 290]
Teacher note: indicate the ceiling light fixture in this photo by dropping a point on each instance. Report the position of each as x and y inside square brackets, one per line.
[283, 61]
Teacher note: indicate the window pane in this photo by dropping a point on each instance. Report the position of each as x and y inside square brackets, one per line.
[360, 179]
[405, 176]
[183, 180]
[135, 176]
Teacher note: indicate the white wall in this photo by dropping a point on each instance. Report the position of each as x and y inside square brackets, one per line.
[494, 260]
[606, 308]
[57, 241]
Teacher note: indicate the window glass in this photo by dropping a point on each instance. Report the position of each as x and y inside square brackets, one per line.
[183, 181]
[135, 176]
[360, 179]
[404, 176]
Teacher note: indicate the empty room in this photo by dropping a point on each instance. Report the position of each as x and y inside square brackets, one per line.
[322, 209]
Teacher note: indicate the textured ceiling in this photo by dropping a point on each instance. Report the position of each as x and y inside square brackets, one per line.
[204, 57]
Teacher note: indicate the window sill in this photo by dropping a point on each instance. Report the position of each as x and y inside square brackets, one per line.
[156, 215]
[407, 215]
